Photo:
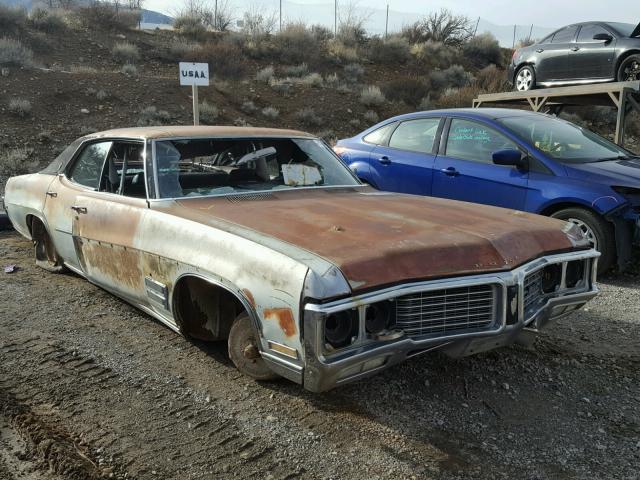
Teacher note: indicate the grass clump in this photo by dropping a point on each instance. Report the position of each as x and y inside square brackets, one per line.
[125, 52]
[307, 116]
[129, 70]
[46, 20]
[266, 74]
[151, 116]
[270, 112]
[13, 52]
[372, 96]
[17, 162]
[208, 113]
[20, 107]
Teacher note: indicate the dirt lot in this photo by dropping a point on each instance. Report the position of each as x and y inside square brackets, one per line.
[91, 388]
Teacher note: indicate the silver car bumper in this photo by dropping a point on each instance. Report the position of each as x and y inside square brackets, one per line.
[324, 370]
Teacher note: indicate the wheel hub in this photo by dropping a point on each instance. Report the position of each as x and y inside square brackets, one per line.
[586, 230]
[251, 352]
[632, 72]
[524, 80]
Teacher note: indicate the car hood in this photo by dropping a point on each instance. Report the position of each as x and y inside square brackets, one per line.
[614, 172]
[378, 238]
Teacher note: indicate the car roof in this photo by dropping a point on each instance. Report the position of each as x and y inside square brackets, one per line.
[196, 131]
[483, 113]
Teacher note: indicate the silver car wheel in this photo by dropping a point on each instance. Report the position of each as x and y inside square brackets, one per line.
[586, 230]
[632, 71]
[524, 80]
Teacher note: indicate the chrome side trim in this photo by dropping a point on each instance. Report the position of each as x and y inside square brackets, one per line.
[556, 83]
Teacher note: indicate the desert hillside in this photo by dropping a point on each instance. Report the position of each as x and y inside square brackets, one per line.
[67, 73]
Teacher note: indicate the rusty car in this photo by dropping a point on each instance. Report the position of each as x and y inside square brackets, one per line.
[264, 239]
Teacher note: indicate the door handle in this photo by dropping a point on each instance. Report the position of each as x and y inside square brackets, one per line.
[52, 194]
[384, 160]
[451, 172]
[540, 50]
[575, 49]
[79, 209]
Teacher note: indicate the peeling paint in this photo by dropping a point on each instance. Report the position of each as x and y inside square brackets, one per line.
[284, 318]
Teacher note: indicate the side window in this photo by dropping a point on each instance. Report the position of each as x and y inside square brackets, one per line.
[416, 135]
[588, 31]
[87, 168]
[124, 172]
[565, 35]
[474, 141]
[379, 136]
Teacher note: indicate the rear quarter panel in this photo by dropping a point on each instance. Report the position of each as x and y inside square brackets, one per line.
[24, 196]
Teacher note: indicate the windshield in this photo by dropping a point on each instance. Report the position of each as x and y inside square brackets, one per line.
[562, 140]
[625, 29]
[202, 167]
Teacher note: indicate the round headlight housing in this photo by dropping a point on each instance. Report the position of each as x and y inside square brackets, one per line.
[378, 317]
[551, 278]
[340, 328]
[575, 273]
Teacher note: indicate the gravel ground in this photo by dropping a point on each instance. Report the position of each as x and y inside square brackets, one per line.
[91, 388]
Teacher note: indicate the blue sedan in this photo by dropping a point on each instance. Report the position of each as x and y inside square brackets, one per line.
[508, 158]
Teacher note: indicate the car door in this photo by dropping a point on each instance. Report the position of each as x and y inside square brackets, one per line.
[405, 162]
[109, 222]
[61, 206]
[590, 58]
[465, 169]
[553, 60]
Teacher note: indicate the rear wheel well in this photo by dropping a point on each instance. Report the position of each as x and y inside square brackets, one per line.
[204, 310]
[556, 207]
[622, 58]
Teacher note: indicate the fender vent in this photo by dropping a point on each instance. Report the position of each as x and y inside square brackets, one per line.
[250, 197]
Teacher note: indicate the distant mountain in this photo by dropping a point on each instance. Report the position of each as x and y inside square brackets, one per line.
[148, 16]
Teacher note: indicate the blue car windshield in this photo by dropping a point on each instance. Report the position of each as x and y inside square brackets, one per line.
[563, 140]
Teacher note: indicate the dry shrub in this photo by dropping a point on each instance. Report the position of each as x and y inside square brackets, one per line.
[226, 59]
[459, 97]
[483, 50]
[248, 107]
[129, 70]
[311, 80]
[353, 72]
[372, 96]
[308, 117]
[390, 51]
[190, 26]
[270, 112]
[20, 107]
[104, 16]
[407, 90]
[151, 116]
[11, 18]
[125, 52]
[208, 113]
[491, 79]
[12, 52]
[442, 26]
[453, 77]
[296, 70]
[296, 43]
[17, 161]
[341, 53]
[371, 117]
[83, 69]
[433, 54]
[266, 74]
[46, 20]
[182, 49]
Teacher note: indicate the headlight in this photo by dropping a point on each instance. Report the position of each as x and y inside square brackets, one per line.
[341, 328]
[551, 278]
[575, 273]
[379, 317]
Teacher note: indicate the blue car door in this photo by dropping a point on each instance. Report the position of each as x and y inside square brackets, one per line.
[404, 163]
[465, 170]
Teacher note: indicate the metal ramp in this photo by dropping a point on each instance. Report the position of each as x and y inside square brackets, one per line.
[623, 96]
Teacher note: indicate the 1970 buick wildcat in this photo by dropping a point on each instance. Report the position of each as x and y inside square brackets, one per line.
[263, 238]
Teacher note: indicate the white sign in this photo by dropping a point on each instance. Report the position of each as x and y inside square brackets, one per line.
[194, 74]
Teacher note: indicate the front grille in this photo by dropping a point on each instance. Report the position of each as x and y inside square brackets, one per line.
[450, 311]
[533, 295]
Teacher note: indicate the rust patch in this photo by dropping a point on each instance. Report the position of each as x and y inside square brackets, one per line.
[117, 267]
[249, 295]
[161, 269]
[284, 317]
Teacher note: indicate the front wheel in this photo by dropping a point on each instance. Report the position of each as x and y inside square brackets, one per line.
[244, 351]
[597, 230]
[525, 79]
[629, 69]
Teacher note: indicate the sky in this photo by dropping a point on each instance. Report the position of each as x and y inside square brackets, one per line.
[543, 13]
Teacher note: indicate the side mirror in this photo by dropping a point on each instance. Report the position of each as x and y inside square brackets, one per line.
[510, 157]
[604, 37]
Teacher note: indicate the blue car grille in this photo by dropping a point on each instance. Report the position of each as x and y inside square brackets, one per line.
[450, 311]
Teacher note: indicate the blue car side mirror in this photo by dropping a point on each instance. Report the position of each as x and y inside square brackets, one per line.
[510, 157]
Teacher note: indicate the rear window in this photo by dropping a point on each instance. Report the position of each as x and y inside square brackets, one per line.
[416, 135]
[379, 136]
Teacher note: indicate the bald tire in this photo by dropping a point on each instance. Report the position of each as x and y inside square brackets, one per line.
[244, 352]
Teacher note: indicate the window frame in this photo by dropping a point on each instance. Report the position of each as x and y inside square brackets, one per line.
[91, 141]
[436, 140]
[386, 138]
[591, 40]
[572, 40]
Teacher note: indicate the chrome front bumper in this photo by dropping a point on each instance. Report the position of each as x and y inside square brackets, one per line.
[323, 371]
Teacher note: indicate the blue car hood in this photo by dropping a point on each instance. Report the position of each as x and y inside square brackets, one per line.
[614, 172]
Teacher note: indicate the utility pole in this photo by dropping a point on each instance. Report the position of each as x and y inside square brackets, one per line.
[530, 32]
[280, 15]
[335, 18]
[475, 30]
[215, 16]
[386, 24]
[514, 37]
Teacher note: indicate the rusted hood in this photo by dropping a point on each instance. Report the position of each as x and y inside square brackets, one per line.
[380, 238]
